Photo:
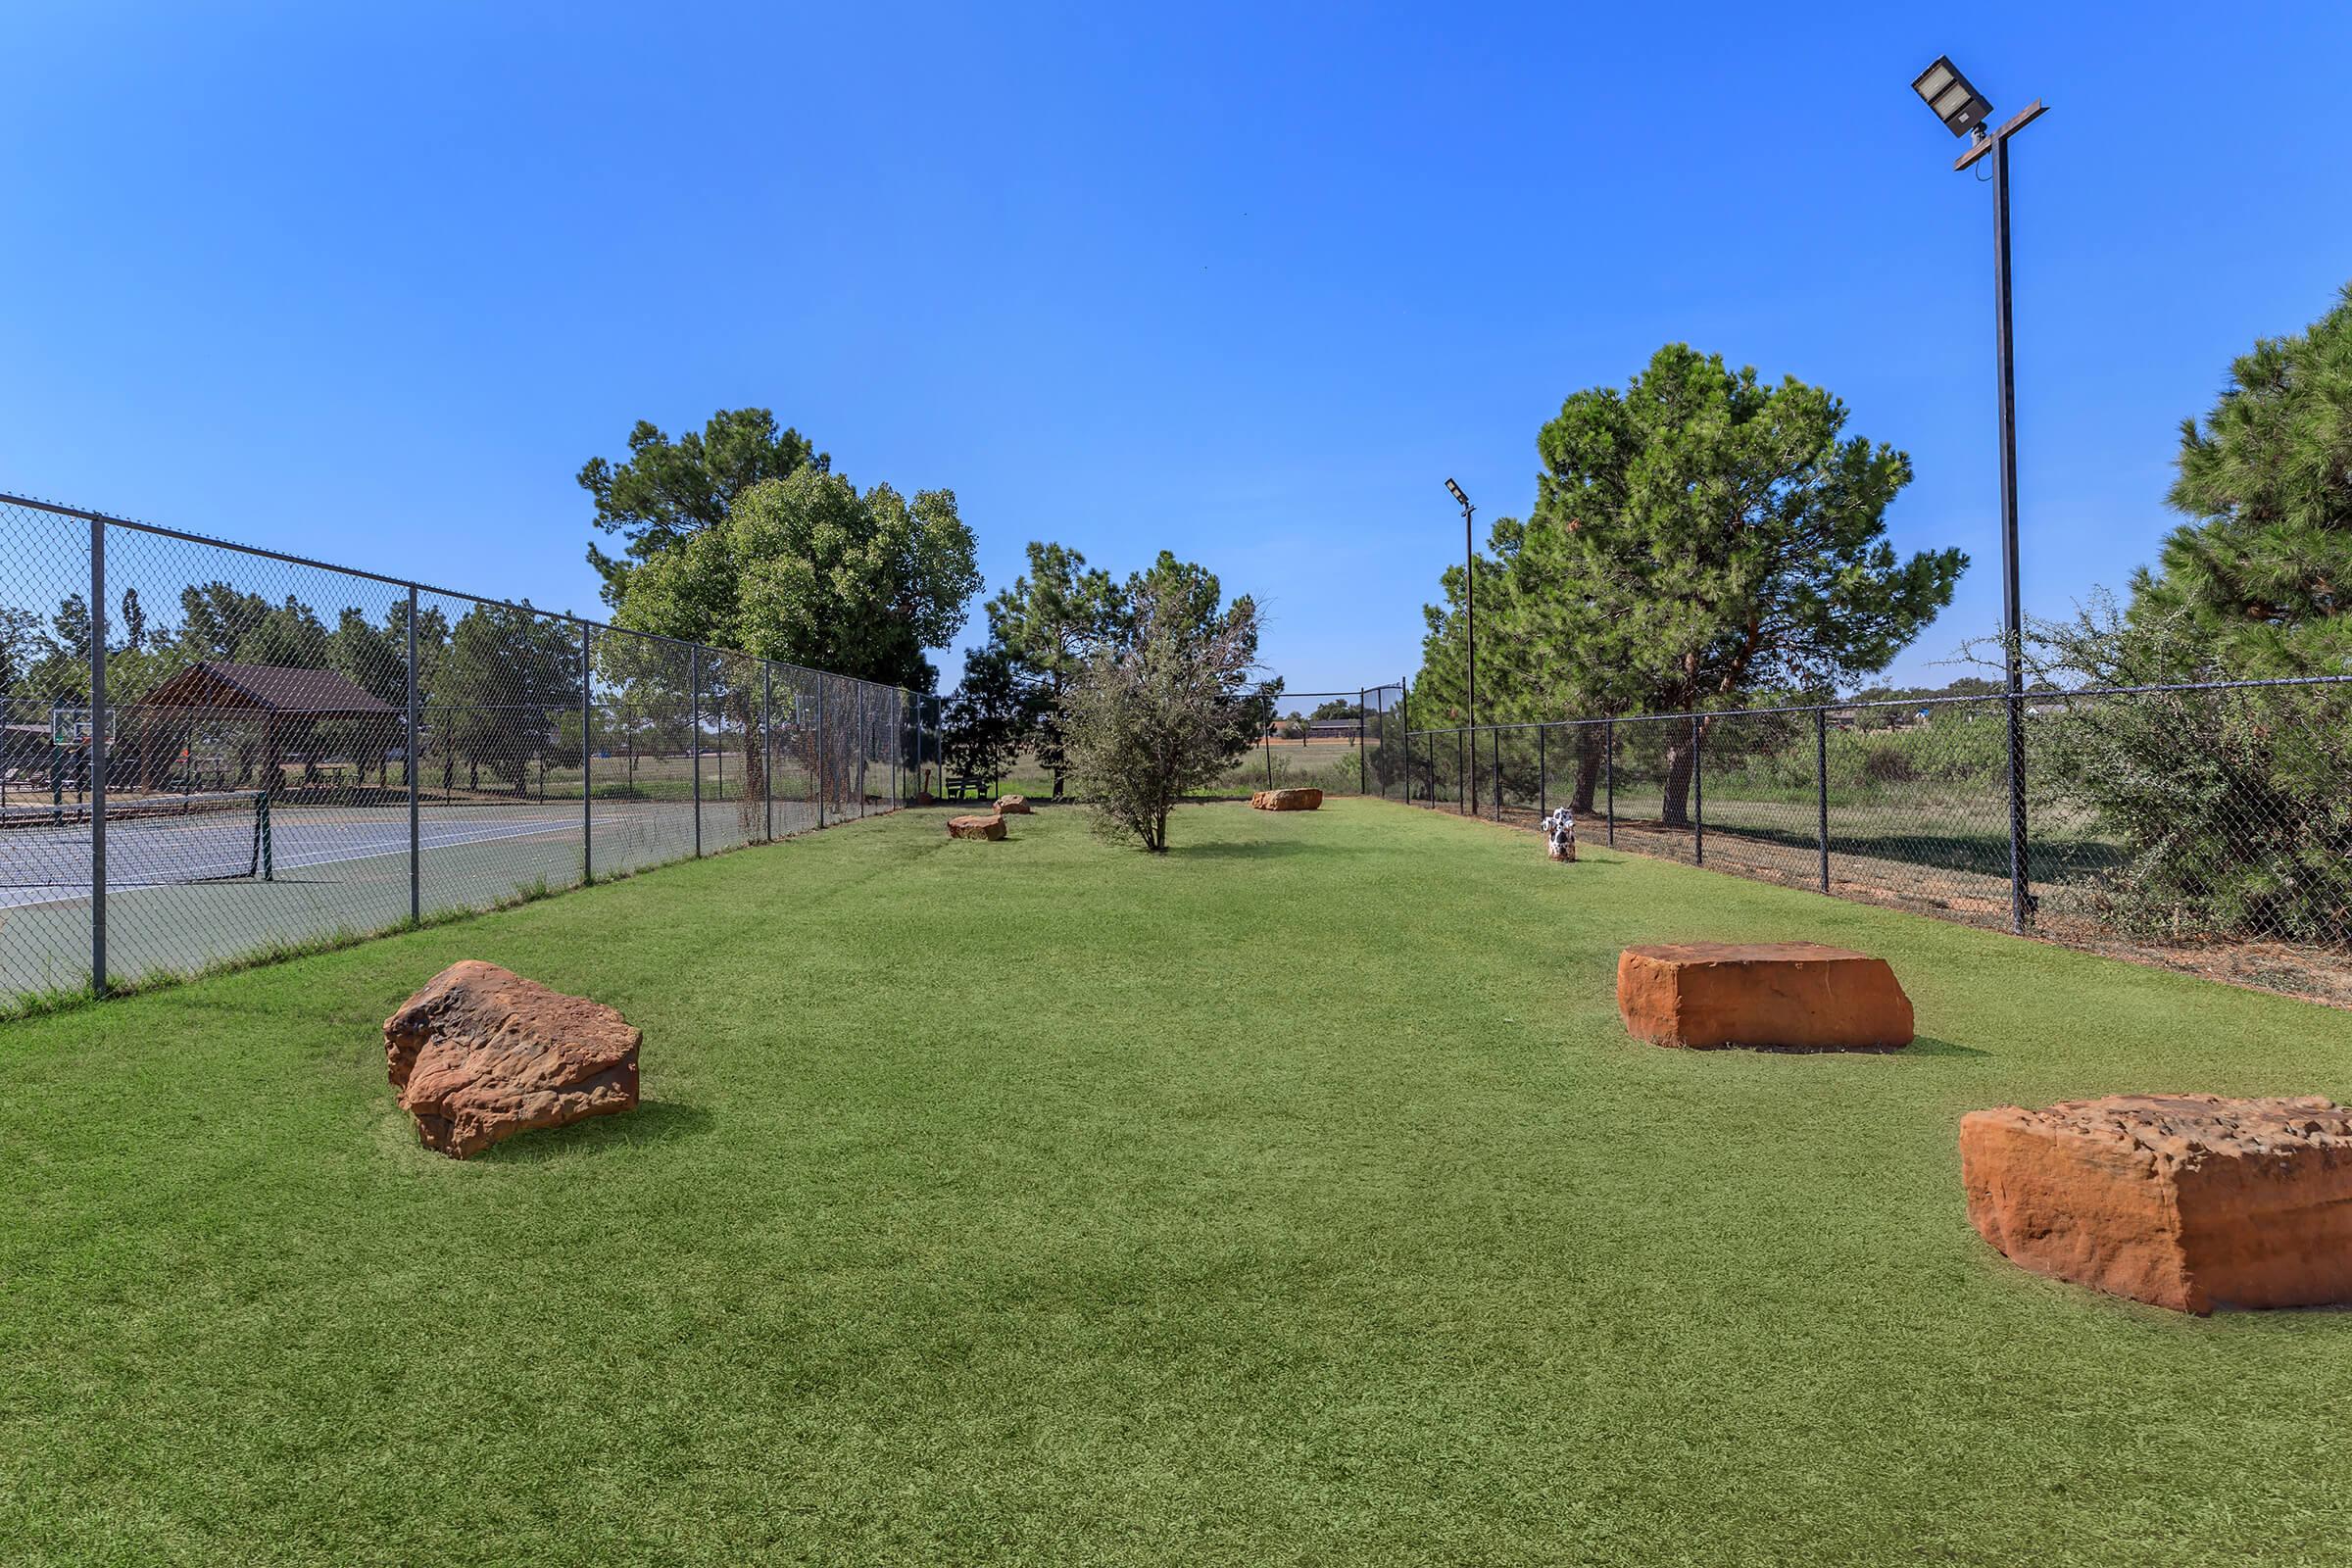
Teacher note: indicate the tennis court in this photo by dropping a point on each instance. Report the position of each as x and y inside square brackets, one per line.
[223, 841]
[194, 882]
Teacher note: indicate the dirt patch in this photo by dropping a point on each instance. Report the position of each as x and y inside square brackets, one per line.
[2313, 974]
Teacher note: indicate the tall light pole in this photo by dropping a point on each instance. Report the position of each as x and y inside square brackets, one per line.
[1469, 607]
[1963, 111]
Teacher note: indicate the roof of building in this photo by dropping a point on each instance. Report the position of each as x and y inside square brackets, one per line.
[313, 693]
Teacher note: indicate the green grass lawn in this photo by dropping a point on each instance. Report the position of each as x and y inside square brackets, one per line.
[1295, 1197]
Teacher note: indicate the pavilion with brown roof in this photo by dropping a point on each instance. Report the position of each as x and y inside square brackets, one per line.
[284, 706]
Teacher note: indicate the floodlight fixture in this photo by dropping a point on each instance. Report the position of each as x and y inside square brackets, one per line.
[1956, 102]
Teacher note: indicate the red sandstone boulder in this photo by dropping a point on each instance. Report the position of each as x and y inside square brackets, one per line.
[1286, 799]
[481, 1053]
[1012, 806]
[976, 827]
[1798, 996]
[2189, 1201]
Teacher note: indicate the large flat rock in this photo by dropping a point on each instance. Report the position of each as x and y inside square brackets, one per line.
[2189, 1201]
[1791, 996]
[1286, 799]
[1012, 806]
[481, 1053]
[990, 827]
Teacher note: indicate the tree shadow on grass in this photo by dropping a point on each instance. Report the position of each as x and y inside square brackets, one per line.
[1258, 849]
[654, 1121]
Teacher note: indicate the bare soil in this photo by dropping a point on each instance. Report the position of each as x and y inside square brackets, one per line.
[2065, 917]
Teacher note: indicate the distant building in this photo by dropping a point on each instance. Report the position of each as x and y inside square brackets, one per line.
[1317, 729]
[280, 710]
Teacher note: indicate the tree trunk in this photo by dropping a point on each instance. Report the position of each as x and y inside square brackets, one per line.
[755, 764]
[1678, 757]
[1590, 741]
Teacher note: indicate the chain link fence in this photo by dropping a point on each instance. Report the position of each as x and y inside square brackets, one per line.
[211, 752]
[2208, 825]
[1331, 740]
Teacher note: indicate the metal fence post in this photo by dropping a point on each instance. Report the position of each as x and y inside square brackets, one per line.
[1363, 777]
[858, 724]
[1698, 792]
[768, 749]
[1464, 751]
[1609, 769]
[694, 740]
[1404, 722]
[821, 751]
[1821, 778]
[98, 757]
[2021, 892]
[1543, 774]
[587, 754]
[1497, 749]
[416, 773]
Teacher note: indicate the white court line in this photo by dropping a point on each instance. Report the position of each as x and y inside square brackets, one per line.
[358, 841]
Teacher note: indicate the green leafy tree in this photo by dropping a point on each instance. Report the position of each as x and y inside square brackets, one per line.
[507, 676]
[2228, 805]
[1191, 604]
[61, 671]
[70, 628]
[2261, 582]
[1150, 716]
[1043, 628]
[134, 621]
[432, 653]
[1699, 538]
[368, 656]
[21, 649]
[808, 570]
[991, 713]
[1438, 694]
[668, 491]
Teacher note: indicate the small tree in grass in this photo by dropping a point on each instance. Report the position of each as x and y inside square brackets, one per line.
[1151, 715]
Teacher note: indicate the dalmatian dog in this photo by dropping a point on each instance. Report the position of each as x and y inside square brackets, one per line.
[1559, 834]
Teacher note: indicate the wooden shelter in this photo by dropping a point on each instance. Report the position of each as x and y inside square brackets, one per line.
[273, 710]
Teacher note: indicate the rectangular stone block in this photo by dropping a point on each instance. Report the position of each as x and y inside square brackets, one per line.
[2189, 1201]
[1286, 799]
[1794, 996]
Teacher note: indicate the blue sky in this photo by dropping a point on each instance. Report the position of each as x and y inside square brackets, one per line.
[1248, 283]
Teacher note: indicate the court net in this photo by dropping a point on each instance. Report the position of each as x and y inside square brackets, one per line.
[152, 841]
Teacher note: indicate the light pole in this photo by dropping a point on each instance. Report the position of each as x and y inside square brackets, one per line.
[1963, 110]
[1469, 607]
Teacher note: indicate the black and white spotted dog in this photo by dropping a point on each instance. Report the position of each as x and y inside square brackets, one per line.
[1559, 834]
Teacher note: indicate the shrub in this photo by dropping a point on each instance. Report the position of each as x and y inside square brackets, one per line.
[2229, 805]
[1153, 715]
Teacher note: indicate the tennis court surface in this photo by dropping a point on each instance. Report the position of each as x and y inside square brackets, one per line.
[225, 838]
[196, 881]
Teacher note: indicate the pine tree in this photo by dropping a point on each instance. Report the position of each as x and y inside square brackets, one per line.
[2264, 574]
[1697, 538]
